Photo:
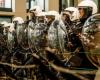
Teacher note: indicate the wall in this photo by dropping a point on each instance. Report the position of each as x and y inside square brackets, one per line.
[20, 8]
[53, 5]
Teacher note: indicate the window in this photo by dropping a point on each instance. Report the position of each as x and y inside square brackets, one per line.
[5, 5]
[6, 18]
[98, 5]
[66, 3]
[30, 3]
[41, 3]
[2, 3]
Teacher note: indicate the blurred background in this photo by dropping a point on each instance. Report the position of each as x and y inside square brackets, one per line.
[12, 8]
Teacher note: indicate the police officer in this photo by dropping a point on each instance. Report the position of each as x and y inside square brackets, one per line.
[37, 35]
[54, 30]
[18, 30]
[32, 15]
[5, 26]
[70, 18]
[69, 15]
[50, 17]
[86, 9]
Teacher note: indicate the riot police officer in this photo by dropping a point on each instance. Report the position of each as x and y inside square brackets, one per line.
[55, 32]
[86, 9]
[33, 12]
[36, 35]
[70, 14]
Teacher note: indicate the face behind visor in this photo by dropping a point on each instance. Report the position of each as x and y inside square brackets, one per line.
[87, 8]
[35, 10]
[73, 13]
[65, 16]
[19, 20]
[41, 17]
[50, 18]
[52, 15]
[85, 12]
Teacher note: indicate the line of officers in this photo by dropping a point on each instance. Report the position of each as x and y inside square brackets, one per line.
[54, 32]
[51, 30]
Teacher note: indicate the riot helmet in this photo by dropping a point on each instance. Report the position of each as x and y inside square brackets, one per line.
[19, 20]
[87, 8]
[52, 15]
[41, 17]
[33, 12]
[72, 12]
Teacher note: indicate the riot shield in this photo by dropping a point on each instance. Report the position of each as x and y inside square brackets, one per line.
[20, 32]
[56, 36]
[91, 40]
[10, 41]
[36, 36]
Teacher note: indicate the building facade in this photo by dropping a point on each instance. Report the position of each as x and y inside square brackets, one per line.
[13, 8]
[67, 3]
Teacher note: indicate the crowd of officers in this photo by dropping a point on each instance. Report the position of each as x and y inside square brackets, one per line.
[47, 37]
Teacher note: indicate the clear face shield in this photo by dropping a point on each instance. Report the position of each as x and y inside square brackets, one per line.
[91, 39]
[37, 36]
[10, 39]
[15, 24]
[41, 19]
[50, 18]
[66, 15]
[19, 30]
[32, 11]
[85, 11]
[6, 29]
[32, 14]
